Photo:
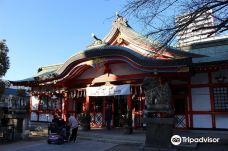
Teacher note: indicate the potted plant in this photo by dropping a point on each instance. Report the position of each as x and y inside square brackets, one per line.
[85, 120]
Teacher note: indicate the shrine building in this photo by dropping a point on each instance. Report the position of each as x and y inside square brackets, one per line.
[109, 73]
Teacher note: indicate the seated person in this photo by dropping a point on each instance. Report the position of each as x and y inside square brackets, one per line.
[53, 128]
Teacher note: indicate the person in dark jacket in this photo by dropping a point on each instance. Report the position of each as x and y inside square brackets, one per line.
[108, 117]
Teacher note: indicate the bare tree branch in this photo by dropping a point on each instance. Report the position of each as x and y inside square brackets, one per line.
[160, 16]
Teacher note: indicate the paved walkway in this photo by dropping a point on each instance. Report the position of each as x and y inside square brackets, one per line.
[117, 140]
[201, 147]
[42, 145]
[135, 141]
[116, 135]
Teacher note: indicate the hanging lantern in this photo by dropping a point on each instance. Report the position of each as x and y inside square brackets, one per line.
[131, 89]
[77, 93]
[140, 87]
[74, 92]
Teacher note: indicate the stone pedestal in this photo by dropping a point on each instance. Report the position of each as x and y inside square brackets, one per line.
[158, 134]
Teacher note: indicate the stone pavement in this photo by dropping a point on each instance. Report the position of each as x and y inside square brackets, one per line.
[117, 135]
[135, 141]
[201, 147]
[42, 145]
[116, 140]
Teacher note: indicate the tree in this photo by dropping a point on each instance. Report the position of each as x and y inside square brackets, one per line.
[4, 64]
[160, 16]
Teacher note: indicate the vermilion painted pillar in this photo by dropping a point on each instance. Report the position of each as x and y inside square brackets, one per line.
[65, 105]
[87, 103]
[129, 103]
[129, 106]
[190, 104]
[212, 100]
[39, 96]
[30, 105]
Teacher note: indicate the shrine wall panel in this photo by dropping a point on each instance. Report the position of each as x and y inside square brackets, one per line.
[201, 99]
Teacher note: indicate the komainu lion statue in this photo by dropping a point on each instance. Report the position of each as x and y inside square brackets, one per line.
[157, 97]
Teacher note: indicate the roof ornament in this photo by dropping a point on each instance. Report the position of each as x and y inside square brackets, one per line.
[117, 14]
[96, 42]
[120, 20]
[94, 36]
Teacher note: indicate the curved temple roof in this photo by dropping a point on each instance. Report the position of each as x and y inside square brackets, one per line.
[108, 51]
[119, 51]
[108, 48]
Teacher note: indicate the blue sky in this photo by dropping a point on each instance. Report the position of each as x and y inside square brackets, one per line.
[42, 32]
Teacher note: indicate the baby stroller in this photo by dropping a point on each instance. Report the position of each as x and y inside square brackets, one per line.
[55, 134]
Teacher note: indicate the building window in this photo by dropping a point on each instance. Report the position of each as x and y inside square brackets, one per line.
[48, 103]
[44, 102]
[44, 106]
[221, 99]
